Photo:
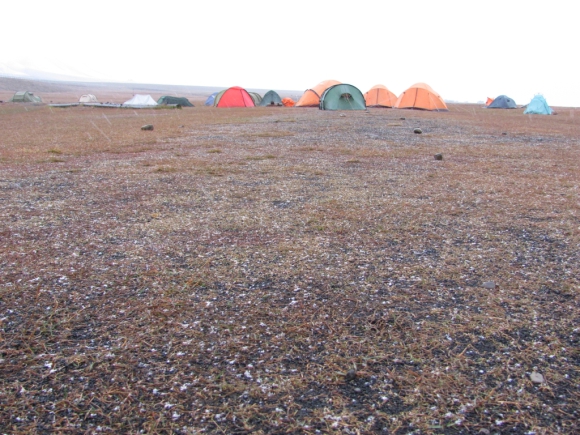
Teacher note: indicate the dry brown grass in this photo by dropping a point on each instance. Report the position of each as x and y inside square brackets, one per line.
[278, 270]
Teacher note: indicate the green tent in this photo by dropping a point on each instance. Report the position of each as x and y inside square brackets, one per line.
[342, 97]
[257, 98]
[538, 106]
[271, 98]
[25, 97]
[168, 99]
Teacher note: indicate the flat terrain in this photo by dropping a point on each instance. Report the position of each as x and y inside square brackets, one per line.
[284, 270]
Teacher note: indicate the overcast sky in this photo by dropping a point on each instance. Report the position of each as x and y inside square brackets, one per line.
[466, 51]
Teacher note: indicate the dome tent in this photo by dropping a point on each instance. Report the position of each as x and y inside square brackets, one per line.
[380, 96]
[257, 98]
[234, 97]
[180, 101]
[342, 97]
[538, 106]
[88, 98]
[502, 102]
[421, 96]
[311, 97]
[271, 98]
[210, 99]
[25, 97]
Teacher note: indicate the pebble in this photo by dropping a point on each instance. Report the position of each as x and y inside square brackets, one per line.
[537, 378]
[350, 375]
[439, 156]
[147, 127]
[357, 389]
[489, 285]
[417, 131]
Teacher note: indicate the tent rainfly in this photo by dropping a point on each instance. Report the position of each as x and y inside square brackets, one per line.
[538, 106]
[88, 98]
[168, 99]
[234, 97]
[288, 102]
[342, 97]
[271, 98]
[502, 102]
[421, 96]
[139, 100]
[25, 97]
[380, 96]
[210, 99]
[311, 97]
[489, 101]
[257, 98]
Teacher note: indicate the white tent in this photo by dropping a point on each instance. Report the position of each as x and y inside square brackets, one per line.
[140, 100]
[88, 98]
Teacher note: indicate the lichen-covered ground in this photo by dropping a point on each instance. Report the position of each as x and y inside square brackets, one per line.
[277, 270]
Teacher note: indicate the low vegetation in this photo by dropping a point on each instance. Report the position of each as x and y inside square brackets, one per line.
[278, 270]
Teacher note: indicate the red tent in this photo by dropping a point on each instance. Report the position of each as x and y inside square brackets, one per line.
[234, 97]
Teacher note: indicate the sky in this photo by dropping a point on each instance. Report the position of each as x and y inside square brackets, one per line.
[466, 51]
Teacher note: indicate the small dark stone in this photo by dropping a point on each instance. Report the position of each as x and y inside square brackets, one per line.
[504, 133]
[147, 127]
[402, 119]
[417, 131]
[350, 375]
[439, 156]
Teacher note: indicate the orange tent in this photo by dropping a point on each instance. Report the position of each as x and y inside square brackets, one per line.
[421, 96]
[288, 102]
[489, 101]
[311, 97]
[380, 96]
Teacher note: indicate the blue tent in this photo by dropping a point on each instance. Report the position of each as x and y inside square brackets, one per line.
[210, 99]
[502, 102]
[538, 106]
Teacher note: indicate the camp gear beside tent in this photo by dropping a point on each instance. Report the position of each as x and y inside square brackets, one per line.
[210, 99]
[538, 106]
[170, 100]
[88, 98]
[271, 98]
[25, 97]
[489, 101]
[421, 96]
[342, 97]
[139, 100]
[256, 98]
[234, 97]
[380, 96]
[502, 102]
[288, 102]
[311, 97]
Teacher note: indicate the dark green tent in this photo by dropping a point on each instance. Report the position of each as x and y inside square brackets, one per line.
[168, 99]
[342, 97]
[25, 97]
[257, 98]
[271, 98]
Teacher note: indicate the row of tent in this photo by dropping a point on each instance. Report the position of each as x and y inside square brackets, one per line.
[334, 95]
[538, 105]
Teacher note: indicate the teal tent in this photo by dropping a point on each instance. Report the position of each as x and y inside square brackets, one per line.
[168, 99]
[342, 97]
[271, 98]
[538, 106]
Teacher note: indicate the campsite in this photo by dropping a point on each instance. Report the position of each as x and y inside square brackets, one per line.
[287, 270]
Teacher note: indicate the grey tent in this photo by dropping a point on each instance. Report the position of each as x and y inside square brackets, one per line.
[502, 102]
[271, 98]
[342, 97]
[25, 97]
[168, 99]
